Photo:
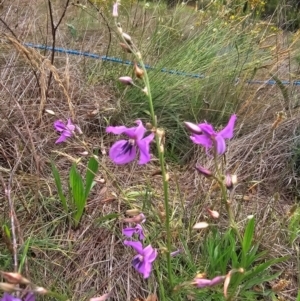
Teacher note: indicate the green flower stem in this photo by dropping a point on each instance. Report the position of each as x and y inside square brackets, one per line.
[160, 151]
[220, 179]
[164, 173]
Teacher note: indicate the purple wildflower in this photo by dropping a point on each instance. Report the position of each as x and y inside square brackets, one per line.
[209, 137]
[124, 151]
[66, 130]
[142, 262]
[138, 229]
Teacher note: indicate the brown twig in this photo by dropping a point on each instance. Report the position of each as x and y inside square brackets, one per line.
[53, 31]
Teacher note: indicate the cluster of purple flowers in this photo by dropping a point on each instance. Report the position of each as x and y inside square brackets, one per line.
[142, 262]
[125, 150]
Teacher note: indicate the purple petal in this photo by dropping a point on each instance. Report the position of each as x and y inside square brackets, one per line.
[144, 146]
[70, 126]
[140, 231]
[129, 232]
[59, 125]
[227, 132]
[221, 145]
[30, 297]
[207, 129]
[140, 130]
[67, 133]
[116, 129]
[136, 245]
[150, 254]
[146, 269]
[61, 139]
[8, 297]
[202, 139]
[122, 152]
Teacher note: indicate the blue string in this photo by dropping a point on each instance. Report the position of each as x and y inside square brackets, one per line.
[118, 60]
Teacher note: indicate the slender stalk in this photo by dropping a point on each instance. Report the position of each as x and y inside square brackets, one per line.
[164, 173]
[160, 150]
[219, 177]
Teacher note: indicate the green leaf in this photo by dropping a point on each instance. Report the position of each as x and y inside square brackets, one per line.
[59, 187]
[247, 240]
[92, 169]
[262, 267]
[77, 193]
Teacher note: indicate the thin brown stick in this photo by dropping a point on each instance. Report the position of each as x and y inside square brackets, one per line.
[53, 31]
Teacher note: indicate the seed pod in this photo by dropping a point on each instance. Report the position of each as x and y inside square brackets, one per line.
[139, 72]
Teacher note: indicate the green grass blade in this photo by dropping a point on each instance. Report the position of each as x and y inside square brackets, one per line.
[248, 236]
[77, 193]
[24, 255]
[90, 175]
[59, 187]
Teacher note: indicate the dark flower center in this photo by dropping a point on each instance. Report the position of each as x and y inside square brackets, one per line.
[137, 261]
[127, 147]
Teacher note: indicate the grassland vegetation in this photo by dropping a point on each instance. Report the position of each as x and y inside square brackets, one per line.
[177, 182]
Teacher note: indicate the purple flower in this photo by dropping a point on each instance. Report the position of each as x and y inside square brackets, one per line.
[203, 282]
[124, 151]
[209, 137]
[138, 229]
[8, 297]
[66, 130]
[142, 262]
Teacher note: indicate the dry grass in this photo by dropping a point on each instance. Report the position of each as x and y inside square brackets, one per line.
[92, 260]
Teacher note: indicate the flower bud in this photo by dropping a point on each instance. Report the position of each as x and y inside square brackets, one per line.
[119, 26]
[127, 38]
[145, 90]
[125, 47]
[213, 214]
[201, 225]
[230, 181]
[51, 112]
[139, 73]
[203, 171]
[14, 278]
[40, 290]
[126, 80]
[115, 10]
[193, 128]
[138, 219]
[175, 253]
[7, 287]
